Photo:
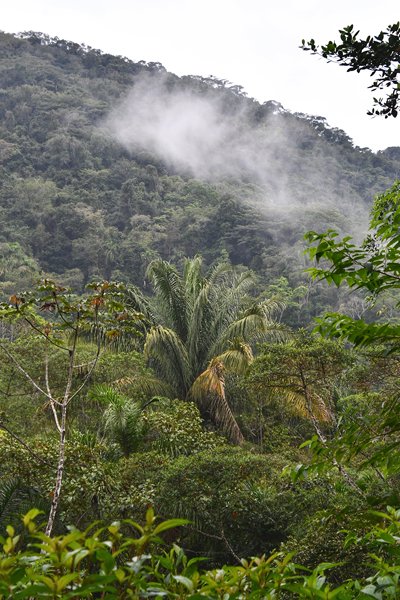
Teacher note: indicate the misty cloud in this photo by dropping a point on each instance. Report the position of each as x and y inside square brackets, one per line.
[194, 132]
[211, 134]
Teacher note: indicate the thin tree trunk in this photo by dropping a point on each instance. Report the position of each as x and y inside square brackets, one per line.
[61, 449]
[60, 472]
[343, 472]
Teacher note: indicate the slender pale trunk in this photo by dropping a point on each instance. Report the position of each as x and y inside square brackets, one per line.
[61, 448]
[71, 320]
[60, 472]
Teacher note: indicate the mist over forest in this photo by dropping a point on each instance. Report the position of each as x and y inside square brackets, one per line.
[99, 151]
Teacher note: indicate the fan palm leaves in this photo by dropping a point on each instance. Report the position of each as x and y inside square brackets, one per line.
[203, 326]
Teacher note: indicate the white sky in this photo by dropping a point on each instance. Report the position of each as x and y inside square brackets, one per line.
[253, 43]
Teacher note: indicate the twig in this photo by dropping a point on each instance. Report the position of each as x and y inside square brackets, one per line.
[52, 401]
[220, 538]
[227, 544]
[25, 445]
[25, 373]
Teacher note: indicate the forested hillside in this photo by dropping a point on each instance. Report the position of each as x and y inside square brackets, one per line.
[84, 195]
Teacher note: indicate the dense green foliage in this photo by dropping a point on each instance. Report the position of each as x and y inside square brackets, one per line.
[75, 203]
[129, 395]
[109, 562]
[372, 267]
[202, 326]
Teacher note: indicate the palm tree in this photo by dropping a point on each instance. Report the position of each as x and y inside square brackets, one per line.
[202, 328]
[121, 418]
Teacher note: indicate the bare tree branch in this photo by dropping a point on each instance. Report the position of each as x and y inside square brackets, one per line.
[25, 445]
[24, 372]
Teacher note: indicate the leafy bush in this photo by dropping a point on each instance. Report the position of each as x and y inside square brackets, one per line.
[107, 563]
[237, 501]
[89, 478]
[175, 428]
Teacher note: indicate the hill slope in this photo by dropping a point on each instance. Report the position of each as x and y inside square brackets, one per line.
[107, 163]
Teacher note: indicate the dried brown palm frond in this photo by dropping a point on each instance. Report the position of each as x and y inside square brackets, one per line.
[208, 390]
[308, 405]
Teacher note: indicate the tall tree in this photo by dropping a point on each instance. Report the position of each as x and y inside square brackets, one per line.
[203, 326]
[304, 374]
[373, 266]
[60, 319]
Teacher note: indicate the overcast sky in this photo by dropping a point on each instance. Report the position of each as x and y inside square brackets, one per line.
[254, 43]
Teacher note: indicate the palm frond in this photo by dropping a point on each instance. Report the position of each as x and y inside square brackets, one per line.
[311, 407]
[237, 286]
[108, 336]
[164, 346]
[170, 293]
[199, 335]
[10, 491]
[251, 324]
[121, 418]
[16, 498]
[255, 324]
[237, 358]
[104, 394]
[148, 384]
[137, 301]
[320, 409]
[219, 271]
[272, 306]
[227, 301]
[209, 390]
[210, 382]
[192, 276]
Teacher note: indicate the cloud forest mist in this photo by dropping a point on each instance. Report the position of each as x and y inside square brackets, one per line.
[216, 136]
